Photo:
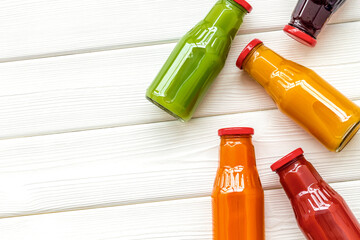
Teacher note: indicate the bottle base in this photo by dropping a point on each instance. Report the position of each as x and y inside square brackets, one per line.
[165, 109]
[351, 133]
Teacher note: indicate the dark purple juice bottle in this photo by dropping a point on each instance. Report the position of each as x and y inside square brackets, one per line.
[309, 17]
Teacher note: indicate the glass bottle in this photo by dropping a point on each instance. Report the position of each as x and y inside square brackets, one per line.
[321, 213]
[303, 96]
[309, 17]
[197, 60]
[237, 197]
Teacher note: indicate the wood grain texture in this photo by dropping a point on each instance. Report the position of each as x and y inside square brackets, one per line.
[142, 175]
[106, 89]
[175, 220]
[150, 162]
[41, 28]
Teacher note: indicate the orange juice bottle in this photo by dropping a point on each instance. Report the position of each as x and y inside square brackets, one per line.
[303, 95]
[238, 197]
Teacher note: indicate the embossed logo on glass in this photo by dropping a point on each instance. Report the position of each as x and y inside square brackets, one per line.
[232, 179]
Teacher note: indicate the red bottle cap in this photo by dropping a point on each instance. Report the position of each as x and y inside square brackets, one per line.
[236, 131]
[244, 4]
[300, 36]
[288, 158]
[246, 52]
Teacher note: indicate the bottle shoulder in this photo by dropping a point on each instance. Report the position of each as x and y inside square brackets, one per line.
[281, 74]
[290, 79]
[206, 35]
[320, 206]
[237, 179]
[318, 198]
[292, 72]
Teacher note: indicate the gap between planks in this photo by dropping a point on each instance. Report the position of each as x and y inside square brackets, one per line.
[129, 125]
[107, 89]
[344, 15]
[266, 190]
[127, 46]
[63, 173]
[178, 219]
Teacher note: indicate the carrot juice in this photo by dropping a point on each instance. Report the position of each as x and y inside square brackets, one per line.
[303, 96]
[238, 197]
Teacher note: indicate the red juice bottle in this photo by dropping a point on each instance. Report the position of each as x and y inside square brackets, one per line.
[321, 213]
[309, 17]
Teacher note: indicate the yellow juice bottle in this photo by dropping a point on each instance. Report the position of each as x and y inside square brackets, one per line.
[303, 95]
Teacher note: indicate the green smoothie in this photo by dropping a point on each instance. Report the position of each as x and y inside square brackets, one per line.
[197, 60]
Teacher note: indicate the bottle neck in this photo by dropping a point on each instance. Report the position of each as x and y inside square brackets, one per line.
[263, 65]
[297, 176]
[226, 15]
[237, 150]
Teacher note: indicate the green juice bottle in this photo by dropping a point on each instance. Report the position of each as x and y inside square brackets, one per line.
[197, 60]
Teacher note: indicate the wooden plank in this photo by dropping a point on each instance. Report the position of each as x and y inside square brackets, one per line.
[174, 220]
[107, 89]
[40, 28]
[151, 162]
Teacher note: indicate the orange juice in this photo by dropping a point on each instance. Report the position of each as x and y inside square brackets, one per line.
[238, 197]
[303, 96]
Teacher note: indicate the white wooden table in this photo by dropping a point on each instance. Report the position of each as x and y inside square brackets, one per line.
[84, 156]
